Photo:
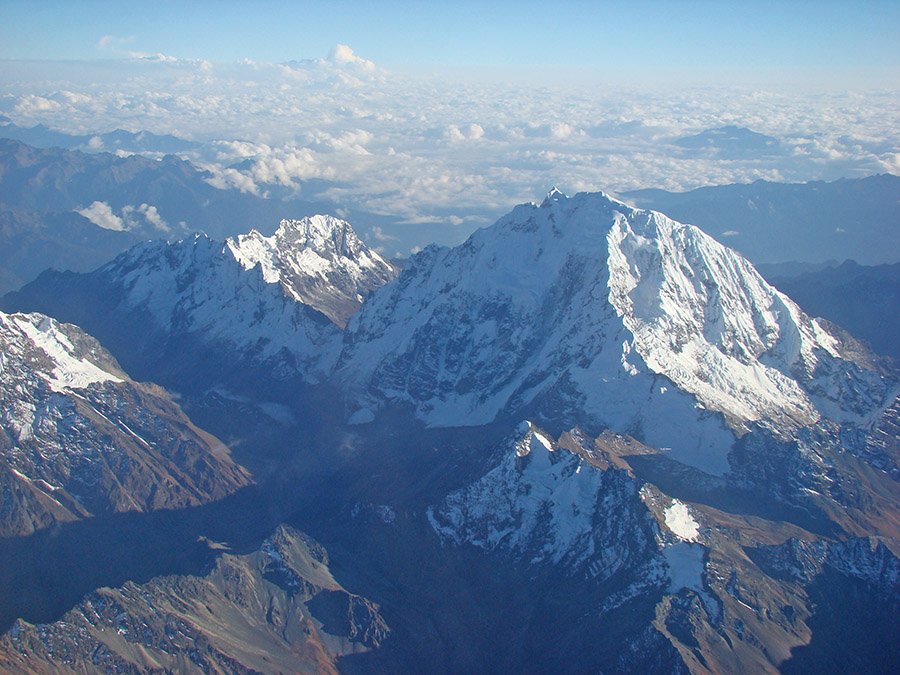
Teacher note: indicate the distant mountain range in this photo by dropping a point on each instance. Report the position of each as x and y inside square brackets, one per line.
[778, 222]
[42, 136]
[861, 299]
[731, 142]
[67, 209]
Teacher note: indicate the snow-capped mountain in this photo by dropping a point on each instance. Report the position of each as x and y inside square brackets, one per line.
[543, 503]
[78, 437]
[585, 310]
[198, 287]
[562, 504]
[319, 261]
[277, 302]
[723, 595]
[575, 542]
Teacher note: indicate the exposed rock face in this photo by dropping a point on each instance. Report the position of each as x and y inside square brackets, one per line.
[275, 610]
[77, 437]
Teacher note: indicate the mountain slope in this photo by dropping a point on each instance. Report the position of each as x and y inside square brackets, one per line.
[730, 592]
[585, 310]
[189, 314]
[319, 262]
[77, 437]
[862, 299]
[277, 609]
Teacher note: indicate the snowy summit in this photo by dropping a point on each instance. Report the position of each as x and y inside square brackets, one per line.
[319, 261]
[612, 314]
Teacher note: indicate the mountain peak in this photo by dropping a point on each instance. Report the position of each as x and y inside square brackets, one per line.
[318, 260]
[620, 314]
[555, 195]
[328, 236]
[316, 228]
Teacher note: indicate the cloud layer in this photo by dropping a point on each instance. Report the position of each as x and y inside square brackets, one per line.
[438, 150]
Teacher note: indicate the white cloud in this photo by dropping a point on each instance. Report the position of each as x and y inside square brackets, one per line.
[133, 214]
[343, 54]
[431, 151]
[153, 217]
[381, 235]
[472, 132]
[101, 215]
[30, 104]
[228, 178]
[561, 130]
[730, 233]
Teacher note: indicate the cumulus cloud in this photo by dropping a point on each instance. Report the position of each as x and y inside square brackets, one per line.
[263, 165]
[561, 130]
[132, 215]
[343, 54]
[472, 132]
[129, 218]
[228, 178]
[381, 235]
[101, 215]
[31, 104]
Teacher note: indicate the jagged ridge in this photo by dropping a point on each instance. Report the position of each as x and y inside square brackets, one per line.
[319, 261]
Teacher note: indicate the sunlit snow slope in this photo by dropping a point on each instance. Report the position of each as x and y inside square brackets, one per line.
[595, 312]
[319, 261]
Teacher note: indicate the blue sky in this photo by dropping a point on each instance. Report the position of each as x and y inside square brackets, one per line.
[826, 40]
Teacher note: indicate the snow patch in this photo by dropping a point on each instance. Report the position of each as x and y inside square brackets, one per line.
[679, 520]
[69, 371]
[543, 440]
